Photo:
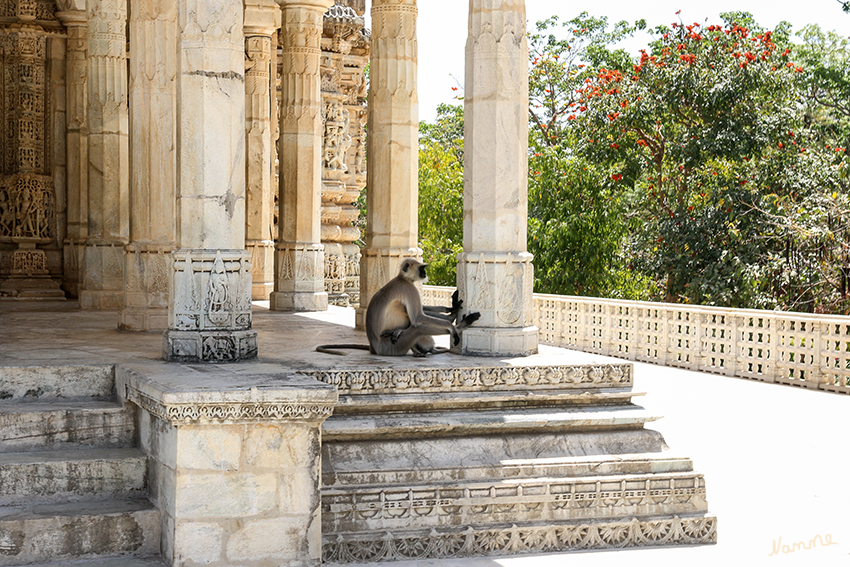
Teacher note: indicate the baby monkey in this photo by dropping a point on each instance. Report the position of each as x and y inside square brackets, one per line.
[397, 322]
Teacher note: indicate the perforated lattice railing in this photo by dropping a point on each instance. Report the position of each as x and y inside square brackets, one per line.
[801, 349]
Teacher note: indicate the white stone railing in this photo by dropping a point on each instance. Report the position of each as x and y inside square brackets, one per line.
[800, 349]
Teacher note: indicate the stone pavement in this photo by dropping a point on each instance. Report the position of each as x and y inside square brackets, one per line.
[774, 456]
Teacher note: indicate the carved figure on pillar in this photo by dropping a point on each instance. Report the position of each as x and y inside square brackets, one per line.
[495, 273]
[300, 256]
[392, 195]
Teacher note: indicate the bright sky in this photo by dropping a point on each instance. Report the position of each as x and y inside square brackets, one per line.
[442, 29]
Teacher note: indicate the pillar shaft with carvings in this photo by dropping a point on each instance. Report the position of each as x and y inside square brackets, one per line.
[153, 225]
[76, 104]
[345, 55]
[209, 314]
[495, 274]
[28, 204]
[108, 155]
[299, 259]
[262, 18]
[392, 229]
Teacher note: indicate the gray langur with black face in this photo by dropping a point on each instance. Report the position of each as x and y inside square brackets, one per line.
[397, 322]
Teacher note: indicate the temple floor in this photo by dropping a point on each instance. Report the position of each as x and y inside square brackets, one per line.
[774, 456]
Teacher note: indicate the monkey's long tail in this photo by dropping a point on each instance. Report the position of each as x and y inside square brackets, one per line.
[327, 349]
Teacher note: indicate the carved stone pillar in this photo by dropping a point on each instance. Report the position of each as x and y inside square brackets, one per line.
[392, 226]
[76, 147]
[108, 156]
[153, 226]
[300, 256]
[209, 311]
[345, 54]
[495, 274]
[262, 18]
[27, 195]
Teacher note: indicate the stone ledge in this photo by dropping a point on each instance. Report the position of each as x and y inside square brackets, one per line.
[244, 393]
[513, 539]
[519, 377]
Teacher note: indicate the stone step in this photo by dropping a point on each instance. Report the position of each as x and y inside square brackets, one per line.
[72, 382]
[70, 475]
[483, 422]
[377, 508]
[123, 561]
[364, 473]
[37, 426]
[52, 532]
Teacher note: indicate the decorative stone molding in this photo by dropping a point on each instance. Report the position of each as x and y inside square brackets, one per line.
[475, 379]
[468, 542]
[493, 502]
[225, 412]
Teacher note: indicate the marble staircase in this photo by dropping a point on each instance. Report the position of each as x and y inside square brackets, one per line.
[72, 484]
[528, 458]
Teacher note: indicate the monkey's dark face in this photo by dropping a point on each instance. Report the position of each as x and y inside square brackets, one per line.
[413, 270]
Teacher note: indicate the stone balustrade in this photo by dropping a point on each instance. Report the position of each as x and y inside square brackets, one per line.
[800, 349]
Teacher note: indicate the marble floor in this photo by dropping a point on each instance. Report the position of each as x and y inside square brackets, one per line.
[775, 457]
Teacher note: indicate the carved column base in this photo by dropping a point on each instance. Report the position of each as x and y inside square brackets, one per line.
[209, 346]
[146, 289]
[489, 341]
[103, 277]
[377, 267]
[335, 275]
[500, 286]
[352, 273]
[209, 315]
[262, 268]
[29, 278]
[300, 279]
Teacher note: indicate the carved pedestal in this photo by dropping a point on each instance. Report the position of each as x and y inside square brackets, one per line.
[500, 287]
[210, 313]
[30, 278]
[145, 289]
[300, 285]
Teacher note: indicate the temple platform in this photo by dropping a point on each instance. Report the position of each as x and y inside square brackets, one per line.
[378, 472]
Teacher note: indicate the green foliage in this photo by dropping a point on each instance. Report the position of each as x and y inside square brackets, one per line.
[441, 194]
[577, 218]
[712, 169]
[705, 133]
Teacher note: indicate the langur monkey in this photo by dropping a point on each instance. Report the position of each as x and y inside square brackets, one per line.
[396, 321]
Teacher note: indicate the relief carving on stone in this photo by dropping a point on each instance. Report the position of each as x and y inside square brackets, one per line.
[470, 542]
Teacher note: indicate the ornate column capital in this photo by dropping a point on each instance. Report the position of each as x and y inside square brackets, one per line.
[262, 17]
[72, 18]
[323, 5]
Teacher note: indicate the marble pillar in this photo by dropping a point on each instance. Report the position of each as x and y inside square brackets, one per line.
[108, 157]
[300, 256]
[495, 274]
[209, 309]
[28, 204]
[392, 191]
[153, 224]
[262, 19]
[76, 147]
